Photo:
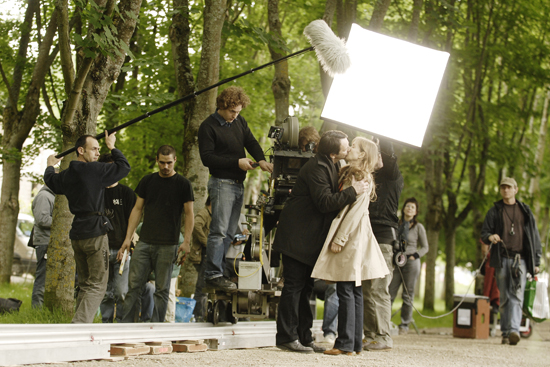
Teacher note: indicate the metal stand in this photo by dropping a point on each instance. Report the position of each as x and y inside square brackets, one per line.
[412, 322]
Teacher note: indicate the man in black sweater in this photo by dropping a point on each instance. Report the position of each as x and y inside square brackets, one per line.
[119, 201]
[223, 137]
[84, 183]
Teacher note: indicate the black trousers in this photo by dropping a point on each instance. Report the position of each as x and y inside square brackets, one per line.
[350, 317]
[295, 318]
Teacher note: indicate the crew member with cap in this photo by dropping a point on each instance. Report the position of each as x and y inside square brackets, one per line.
[516, 249]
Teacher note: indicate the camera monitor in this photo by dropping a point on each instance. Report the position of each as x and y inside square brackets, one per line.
[390, 88]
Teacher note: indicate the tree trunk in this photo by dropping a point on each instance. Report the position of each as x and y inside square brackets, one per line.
[378, 14]
[450, 242]
[281, 82]
[433, 163]
[326, 80]
[415, 21]
[534, 187]
[180, 32]
[214, 17]
[88, 93]
[60, 267]
[16, 128]
[346, 12]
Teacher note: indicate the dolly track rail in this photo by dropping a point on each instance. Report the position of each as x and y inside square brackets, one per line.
[28, 344]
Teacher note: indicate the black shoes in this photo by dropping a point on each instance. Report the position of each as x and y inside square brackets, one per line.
[221, 283]
[296, 346]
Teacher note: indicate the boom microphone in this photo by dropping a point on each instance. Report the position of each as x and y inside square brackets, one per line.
[330, 50]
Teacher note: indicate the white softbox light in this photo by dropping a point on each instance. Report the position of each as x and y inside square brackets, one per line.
[390, 88]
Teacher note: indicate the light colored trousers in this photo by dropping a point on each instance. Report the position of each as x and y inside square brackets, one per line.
[377, 303]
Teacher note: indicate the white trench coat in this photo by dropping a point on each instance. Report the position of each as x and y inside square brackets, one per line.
[361, 257]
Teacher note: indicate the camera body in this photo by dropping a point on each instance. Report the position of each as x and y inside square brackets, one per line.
[399, 257]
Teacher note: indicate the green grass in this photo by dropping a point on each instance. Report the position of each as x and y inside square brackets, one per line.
[421, 322]
[27, 314]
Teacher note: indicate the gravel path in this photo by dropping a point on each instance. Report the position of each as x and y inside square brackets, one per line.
[434, 347]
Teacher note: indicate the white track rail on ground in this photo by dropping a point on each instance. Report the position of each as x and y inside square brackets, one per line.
[38, 343]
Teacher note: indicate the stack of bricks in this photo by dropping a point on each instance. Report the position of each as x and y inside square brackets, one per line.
[134, 349]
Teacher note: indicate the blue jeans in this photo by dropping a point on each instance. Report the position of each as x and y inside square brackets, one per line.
[117, 287]
[227, 199]
[511, 296]
[40, 276]
[330, 314]
[147, 302]
[350, 316]
[147, 257]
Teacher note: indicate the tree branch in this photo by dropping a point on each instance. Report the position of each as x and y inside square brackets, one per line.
[11, 96]
[26, 28]
[67, 66]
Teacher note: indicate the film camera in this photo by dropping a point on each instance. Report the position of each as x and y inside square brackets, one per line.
[257, 294]
[399, 245]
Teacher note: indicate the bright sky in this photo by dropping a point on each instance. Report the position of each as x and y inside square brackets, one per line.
[11, 8]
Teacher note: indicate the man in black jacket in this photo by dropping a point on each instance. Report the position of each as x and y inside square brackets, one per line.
[119, 202]
[303, 227]
[84, 183]
[516, 249]
[383, 217]
[223, 137]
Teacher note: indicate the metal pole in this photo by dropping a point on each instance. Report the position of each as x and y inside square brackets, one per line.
[187, 97]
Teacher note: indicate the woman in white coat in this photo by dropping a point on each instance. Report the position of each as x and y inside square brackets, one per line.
[350, 253]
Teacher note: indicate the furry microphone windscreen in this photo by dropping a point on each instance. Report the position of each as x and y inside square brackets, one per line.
[331, 51]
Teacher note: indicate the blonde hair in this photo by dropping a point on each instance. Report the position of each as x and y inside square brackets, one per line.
[365, 166]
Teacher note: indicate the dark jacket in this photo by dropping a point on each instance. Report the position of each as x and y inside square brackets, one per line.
[84, 183]
[494, 224]
[389, 184]
[313, 204]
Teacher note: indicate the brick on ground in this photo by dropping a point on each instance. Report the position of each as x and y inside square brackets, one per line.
[127, 349]
[160, 347]
[189, 346]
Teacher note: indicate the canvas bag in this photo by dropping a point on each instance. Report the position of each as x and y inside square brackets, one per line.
[535, 300]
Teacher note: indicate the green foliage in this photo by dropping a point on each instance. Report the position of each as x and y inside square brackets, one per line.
[103, 39]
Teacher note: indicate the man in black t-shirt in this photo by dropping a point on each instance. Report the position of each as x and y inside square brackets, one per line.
[162, 197]
[223, 137]
[119, 201]
[83, 183]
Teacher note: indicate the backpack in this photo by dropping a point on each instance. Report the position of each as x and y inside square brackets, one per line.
[9, 305]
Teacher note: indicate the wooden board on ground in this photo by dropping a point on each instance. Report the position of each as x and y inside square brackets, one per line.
[134, 349]
[189, 347]
[160, 347]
